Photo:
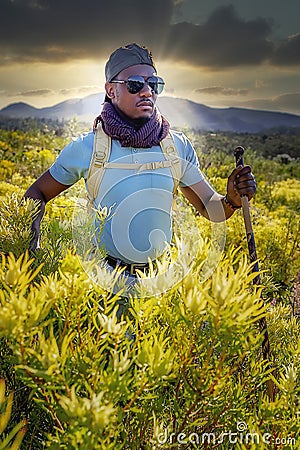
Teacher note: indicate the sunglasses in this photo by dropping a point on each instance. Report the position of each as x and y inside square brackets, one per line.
[135, 83]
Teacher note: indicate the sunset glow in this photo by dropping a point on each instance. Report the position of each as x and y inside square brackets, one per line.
[210, 52]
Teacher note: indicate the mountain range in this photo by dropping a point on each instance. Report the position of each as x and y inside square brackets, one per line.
[181, 113]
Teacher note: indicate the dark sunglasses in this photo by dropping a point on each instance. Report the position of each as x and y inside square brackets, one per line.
[135, 83]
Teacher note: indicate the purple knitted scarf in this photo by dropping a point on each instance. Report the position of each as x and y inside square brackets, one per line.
[148, 135]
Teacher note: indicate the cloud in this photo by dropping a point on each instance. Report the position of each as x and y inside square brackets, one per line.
[284, 102]
[55, 30]
[34, 93]
[69, 92]
[81, 90]
[261, 84]
[58, 31]
[220, 90]
[288, 52]
[225, 40]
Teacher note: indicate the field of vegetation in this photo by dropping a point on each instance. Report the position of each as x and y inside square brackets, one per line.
[182, 369]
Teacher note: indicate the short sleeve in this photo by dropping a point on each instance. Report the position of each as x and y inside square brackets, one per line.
[73, 161]
[191, 172]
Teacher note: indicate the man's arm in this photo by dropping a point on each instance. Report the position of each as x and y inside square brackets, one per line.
[211, 204]
[43, 189]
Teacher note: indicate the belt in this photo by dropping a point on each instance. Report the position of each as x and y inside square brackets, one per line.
[114, 262]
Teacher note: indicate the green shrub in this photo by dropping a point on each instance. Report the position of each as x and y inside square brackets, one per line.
[11, 440]
[15, 223]
[185, 362]
[183, 369]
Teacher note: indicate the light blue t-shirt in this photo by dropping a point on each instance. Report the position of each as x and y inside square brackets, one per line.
[141, 202]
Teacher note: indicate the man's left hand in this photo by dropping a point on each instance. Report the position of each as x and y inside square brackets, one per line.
[240, 182]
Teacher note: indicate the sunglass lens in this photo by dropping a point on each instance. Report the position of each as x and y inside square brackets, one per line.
[156, 84]
[135, 84]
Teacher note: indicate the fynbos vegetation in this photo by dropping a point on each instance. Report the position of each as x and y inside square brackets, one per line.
[179, 370]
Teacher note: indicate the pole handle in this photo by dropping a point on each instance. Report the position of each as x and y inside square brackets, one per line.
[239, 156]
[239, 160]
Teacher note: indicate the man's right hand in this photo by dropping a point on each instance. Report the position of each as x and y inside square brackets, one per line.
[34, 244]
[43, 189]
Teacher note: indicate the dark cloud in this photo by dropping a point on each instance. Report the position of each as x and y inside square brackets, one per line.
[61, 30]
[220, 90]
[58, 30]
[224, 40]
[288, 52]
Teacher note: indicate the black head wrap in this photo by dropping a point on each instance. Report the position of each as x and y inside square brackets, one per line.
[123, 57]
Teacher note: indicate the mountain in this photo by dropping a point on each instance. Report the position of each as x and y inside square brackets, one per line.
[181, 113]
[85, 109]
[19, 110]
[185, 113]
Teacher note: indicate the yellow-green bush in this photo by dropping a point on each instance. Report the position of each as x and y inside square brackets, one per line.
[183, 369]
[186, 362]
[6, 169]
[8, 189]
[15, 223]
[9, 440]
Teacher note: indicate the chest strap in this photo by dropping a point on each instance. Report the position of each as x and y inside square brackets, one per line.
[100, 162]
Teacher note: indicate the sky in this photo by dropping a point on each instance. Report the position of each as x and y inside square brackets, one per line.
[238, 53]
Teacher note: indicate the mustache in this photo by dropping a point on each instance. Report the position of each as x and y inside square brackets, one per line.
[145, 101]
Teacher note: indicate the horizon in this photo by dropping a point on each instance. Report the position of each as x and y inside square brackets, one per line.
[162, 96]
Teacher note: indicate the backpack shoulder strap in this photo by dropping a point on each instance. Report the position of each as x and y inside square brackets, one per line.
[101, 153]
[100, 157]
[171, 154]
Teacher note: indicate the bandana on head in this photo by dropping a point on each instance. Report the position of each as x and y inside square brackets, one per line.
[127, 56]
[148, 135]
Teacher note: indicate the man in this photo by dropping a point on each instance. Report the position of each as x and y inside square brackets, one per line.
[141, 201]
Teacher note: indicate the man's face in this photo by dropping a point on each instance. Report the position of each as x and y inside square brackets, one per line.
[134, 106]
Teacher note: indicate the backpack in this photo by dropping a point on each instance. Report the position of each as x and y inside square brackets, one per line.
[100, 162]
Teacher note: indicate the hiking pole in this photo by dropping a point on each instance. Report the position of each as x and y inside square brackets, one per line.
[239, 159]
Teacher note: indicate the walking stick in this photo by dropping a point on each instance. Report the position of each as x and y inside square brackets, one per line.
[239, 158]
